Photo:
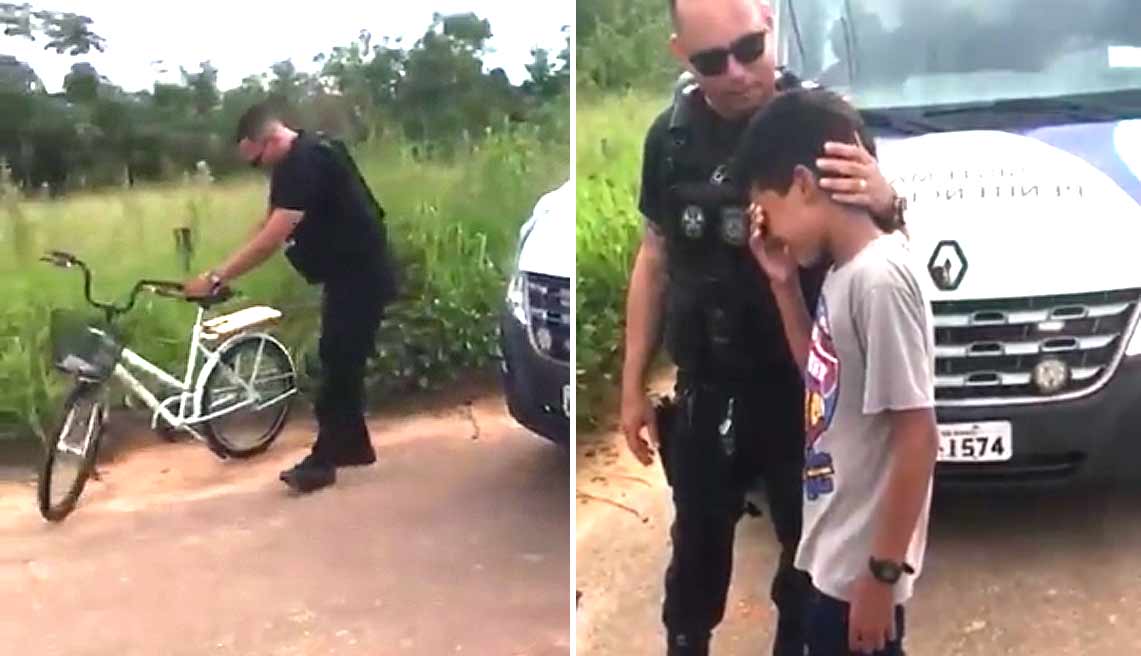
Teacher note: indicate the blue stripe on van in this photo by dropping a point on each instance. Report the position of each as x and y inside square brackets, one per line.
[1094, 143]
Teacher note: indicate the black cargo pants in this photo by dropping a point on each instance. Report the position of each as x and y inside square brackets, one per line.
[351, 311]
[716, 441]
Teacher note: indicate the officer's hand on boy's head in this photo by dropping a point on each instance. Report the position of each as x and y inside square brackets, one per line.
[855, 177]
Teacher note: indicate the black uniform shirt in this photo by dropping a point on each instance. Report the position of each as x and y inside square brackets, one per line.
[654, 204]
[340, 236]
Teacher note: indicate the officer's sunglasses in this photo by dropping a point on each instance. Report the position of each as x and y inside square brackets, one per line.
[715, 61]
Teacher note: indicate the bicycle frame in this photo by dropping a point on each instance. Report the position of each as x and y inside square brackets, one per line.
[188, 392]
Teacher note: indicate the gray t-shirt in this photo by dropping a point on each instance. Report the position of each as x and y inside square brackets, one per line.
[873, 349]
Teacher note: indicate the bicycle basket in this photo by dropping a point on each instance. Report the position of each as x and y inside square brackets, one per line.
[83, 346]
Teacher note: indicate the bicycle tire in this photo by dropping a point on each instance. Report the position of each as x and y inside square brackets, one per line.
[216, 432]
[83, 392]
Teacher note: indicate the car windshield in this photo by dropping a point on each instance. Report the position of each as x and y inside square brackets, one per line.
[923, 53]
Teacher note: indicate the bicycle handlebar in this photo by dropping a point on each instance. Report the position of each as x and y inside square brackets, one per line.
[166, 288]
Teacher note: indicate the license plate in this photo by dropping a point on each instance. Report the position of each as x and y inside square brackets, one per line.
[566, 400]
[989, 441]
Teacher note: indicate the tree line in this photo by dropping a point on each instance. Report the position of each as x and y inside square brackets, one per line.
[435, 93]
[623, 45]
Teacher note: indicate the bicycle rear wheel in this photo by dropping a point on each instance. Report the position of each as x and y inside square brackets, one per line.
[71, 454]
[262, 364]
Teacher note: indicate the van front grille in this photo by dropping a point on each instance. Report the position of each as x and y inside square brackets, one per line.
[987, 351]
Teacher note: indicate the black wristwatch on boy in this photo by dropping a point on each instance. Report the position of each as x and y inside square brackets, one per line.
[888, 571]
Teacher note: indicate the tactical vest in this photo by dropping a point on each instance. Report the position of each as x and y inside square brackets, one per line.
[722, 322]
[324, 249]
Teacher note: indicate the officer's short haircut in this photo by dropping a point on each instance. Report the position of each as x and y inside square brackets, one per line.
[673, 10]
[255, 120]
[791, 131]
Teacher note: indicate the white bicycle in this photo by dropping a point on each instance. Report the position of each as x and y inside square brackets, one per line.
[234, 396]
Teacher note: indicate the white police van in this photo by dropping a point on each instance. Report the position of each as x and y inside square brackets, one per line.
[535, 326]
[1013, 130]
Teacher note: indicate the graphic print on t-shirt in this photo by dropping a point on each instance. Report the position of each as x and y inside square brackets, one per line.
[821, 391]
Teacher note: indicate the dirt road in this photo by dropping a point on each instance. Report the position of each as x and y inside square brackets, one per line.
[1028, 574]
[449, 545]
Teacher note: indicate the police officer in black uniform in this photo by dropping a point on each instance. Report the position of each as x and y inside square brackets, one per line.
[332, 227]
[737, 412]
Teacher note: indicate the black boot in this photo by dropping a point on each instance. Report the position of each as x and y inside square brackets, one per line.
[361, 454]
[310, 474]
[789, 639]
[688, 644]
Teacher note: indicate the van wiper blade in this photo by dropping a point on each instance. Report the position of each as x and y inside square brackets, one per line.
[1075, 108]
[899, 121]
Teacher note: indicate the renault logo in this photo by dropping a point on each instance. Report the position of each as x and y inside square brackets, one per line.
[947, 265]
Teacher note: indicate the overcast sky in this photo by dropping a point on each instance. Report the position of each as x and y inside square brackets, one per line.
[245, 37]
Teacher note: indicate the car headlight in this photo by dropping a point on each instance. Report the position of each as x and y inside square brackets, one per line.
[517, 287]
[1134, 346]
[517, 297]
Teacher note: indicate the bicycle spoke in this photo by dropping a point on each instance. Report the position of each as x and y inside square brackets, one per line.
[257, 361]
[246, 393]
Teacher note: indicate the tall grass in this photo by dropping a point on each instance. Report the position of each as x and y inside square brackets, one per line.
[452, 224]
[611, 131]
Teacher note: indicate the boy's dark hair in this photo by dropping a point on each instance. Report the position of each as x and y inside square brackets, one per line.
[791, 131]
[255, 119]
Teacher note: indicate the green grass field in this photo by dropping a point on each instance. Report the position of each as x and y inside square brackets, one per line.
[453, 224]
[611, 131]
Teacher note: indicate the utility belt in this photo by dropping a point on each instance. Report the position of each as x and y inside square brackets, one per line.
[713, 434]
[722, 329]
[320, 260]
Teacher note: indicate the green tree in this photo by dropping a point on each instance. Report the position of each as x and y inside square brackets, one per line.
[65, 31]
[444, 92]
[18, 77]
[81, 84]
[288, 83]
[203, 86]
[435, 91]
[623, 44]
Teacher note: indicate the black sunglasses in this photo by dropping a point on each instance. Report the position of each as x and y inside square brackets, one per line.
[715, 61]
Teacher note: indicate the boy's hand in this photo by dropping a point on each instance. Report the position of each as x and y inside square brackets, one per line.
[871, 617]
[773, 255]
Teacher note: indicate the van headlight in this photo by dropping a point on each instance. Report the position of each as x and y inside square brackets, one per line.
[517, 297]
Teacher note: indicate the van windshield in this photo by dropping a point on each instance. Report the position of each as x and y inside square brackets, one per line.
[896, 54]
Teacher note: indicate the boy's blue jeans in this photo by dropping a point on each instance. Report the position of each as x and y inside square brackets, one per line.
[826, 626]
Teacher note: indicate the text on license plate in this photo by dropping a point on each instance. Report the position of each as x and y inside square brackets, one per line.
[989, 441]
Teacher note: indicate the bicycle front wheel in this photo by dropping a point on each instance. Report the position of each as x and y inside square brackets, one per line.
[71, 454]
[254, 377]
